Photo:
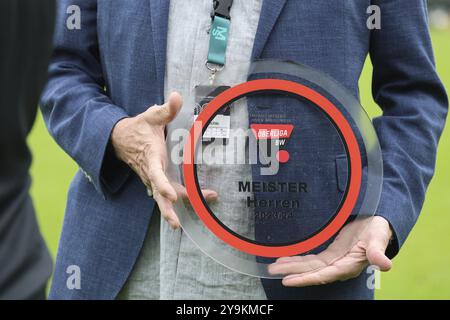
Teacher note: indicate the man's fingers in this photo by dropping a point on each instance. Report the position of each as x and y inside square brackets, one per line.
[162, 115]
[308, 263]
[324, 276]
[376, 257]
[209, 195]
[296, 265]
[181, 191]
[165, 200]
[165, 196]
[167, 211]
[161, 185]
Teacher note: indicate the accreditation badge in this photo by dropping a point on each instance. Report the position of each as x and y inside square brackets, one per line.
[220, 125]
[293, 157]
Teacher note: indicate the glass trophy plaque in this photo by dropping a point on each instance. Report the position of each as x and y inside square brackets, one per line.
[292, 155]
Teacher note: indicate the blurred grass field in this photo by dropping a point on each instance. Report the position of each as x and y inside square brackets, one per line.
[422, 269]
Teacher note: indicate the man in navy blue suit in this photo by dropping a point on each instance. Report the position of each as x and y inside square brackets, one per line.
[129, 55]
[25, 263]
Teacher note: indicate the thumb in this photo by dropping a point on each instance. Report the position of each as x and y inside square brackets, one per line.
[162, 115]
[376, 256]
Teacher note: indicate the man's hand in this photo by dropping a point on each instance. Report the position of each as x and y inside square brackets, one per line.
[140, 142]
[336, 263]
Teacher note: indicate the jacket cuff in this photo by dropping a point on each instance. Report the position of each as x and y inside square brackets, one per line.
[107, 173]
[114, 172]
[399, 215]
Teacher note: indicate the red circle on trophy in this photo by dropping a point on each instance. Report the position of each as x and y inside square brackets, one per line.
[199, 204]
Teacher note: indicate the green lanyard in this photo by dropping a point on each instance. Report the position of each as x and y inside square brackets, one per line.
[218, 41]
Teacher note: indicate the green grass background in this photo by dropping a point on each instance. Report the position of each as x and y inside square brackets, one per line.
[421, 270]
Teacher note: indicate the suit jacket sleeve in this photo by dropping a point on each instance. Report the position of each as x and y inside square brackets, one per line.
[76, 109]
[414, 103]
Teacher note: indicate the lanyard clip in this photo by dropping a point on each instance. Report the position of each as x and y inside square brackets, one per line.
[213, 68]
[222, 8]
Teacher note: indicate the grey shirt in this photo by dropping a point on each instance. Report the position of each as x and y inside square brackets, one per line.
[170, 265]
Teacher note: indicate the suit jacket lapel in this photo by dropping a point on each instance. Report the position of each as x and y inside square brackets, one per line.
[270, 11]
[159, 11]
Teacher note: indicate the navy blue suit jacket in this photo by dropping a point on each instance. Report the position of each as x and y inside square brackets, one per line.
[114, 68]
